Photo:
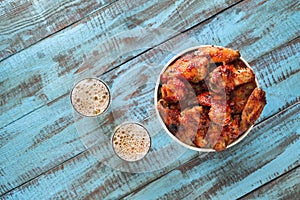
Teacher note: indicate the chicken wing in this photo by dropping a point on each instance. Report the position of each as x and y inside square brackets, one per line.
[213, 134]
[173, 91]
[227, 77]
[168, 115]
[219, 137]
[220, 113]
[253, 108]
[204, 99]
[193, 125]
[239, 97]
[190, 67]
[218, 54]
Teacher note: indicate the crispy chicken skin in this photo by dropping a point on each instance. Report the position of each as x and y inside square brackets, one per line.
[174, 90]
[253, 108]
[170, 116]
[207, 98]
[204, 99]
[213, 134]
[239, 97]
[227, 77]
[231, 131]
[220, 113]
[190, 67]
[193, 123]
[218, 54]
[243, 75]
[219, 137]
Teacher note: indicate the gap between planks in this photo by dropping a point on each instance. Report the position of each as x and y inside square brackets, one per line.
[43, 173]
[122, 63]
[119, 65]
[157, 178]
[174, 36]
[271, 181]
[162, 174]
[58, 31]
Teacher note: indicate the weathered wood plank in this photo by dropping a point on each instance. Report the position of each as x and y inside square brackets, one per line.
[23, 23]
[85, 179]
[98, 189]
[284, 187]
[100, 181]
[55, 61]
[31, 147]
[179, 45]
[45, 87]
[271, 150]
[286, 67]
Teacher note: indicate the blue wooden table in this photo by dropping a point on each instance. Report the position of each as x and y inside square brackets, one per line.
[46, 46]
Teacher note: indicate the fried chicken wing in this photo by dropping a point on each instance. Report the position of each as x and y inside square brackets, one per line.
[219, 137]
[204, 99]
[227, 77]
[243, 75]
[231, 131]
[193, 124]
[253, 108]
[218, 54]
[220, 113]
[174, 90]
[168, 115]
[239, 97]
[222, 79]
[190, 67]
[213, 133]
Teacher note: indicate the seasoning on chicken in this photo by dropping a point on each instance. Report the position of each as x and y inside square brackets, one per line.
[253, 108]
[204, 99]
[239, 97]
[227, 77]
[190, 67]
[174, 90]
[218, 54]
[193, 123]
[169, 116]
[220, 113]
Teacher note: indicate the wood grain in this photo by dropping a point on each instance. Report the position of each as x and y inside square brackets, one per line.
[285, 187]
[24, 23]
[33, 147]
[95, 188]
[238, 170]
[100, 181]
[56, 65]
[61, 58]
[129, 181]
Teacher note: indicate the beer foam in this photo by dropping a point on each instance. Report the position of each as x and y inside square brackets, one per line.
[131, 142]
[90, 97]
